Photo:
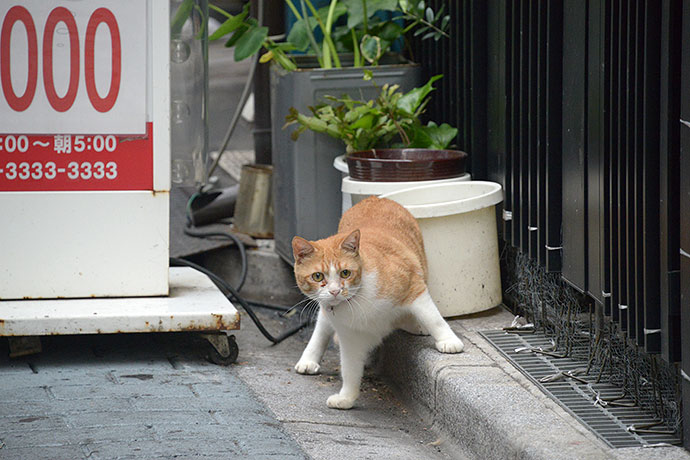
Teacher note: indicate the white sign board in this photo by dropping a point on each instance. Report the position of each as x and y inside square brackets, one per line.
[75, 67]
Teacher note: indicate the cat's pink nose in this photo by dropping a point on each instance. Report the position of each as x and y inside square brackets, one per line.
[334, 292]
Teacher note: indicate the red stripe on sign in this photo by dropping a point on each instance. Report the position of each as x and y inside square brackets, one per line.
[68, 162]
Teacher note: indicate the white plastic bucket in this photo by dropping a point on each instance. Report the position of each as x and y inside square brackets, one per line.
[458, 223]
[355, 191]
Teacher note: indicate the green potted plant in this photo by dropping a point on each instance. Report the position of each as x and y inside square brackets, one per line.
[366, 34]
[339, 40]
[386, 143]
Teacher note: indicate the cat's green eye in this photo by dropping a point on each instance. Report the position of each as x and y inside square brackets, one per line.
[318, 276]
[345, 273]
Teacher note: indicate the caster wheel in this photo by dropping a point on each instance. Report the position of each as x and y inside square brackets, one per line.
[221, 349]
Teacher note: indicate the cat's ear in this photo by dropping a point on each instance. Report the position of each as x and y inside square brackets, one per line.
[301, 248]
[351, 243]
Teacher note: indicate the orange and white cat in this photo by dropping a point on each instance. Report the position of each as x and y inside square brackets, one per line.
[369, 279]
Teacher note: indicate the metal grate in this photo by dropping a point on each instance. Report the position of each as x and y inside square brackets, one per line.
[601, 407]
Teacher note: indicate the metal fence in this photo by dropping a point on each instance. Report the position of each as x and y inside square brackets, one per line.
[574, 106]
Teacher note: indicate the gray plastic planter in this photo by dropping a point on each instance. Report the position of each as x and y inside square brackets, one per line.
[306, 186]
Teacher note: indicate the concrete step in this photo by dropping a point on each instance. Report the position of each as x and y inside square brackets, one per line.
[485, 406]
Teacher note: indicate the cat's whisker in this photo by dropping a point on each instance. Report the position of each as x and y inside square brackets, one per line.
[352, 311]
[311, 305]
[360, 310]
[286, 312]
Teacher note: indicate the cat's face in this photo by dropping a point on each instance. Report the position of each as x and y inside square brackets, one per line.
[329, 270]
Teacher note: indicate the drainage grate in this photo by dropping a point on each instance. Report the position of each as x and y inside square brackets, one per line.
[601, 407]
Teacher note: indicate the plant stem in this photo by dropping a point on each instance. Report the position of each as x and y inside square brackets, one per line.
[418, 20]
[403, 135]
[329, 47]
[293, 9]
[221, 11]
[310, 34]
[355, 47]
[327, 33]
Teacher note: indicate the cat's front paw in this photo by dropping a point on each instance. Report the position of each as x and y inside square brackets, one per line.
[307, 367]
[337, 401]
[453, 345]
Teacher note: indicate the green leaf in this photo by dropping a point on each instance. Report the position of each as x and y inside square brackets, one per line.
[355, 10]
[371, 48]
[250, 43]
[432, 136]
[410, 102]
[230, 25]
[405, 5]
[236, 35]
[435, 137]
[299, 35]
[420, 31]
[429, 14]
[444, 22]
[365, 122]
[283, 46]
[368, 75]
[181, 16]
[390, 31]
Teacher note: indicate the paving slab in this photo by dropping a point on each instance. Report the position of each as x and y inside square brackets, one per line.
[139, 396]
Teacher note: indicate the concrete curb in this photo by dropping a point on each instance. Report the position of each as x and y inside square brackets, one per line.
[486, 408]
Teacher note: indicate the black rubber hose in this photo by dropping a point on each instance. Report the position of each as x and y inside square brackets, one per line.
[240, 245]
[232, 294]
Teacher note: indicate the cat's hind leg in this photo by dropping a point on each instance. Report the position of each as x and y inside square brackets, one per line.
[425, 311]
[312, 354]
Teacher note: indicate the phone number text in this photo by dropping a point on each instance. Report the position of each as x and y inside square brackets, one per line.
[74, 170]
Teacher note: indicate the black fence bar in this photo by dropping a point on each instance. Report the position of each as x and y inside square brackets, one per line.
[651, 322]
[574, 149]
[612, 287]
[498, 99]
[684, 207]
[532, 123]
[524, 131]
[595, 156]
[515, 135]
[633, 146]
[552, 133]
[542, 110]
[606, 47]
[627, 50]
[669, 165]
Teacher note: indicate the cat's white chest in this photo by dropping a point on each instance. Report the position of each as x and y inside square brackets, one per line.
[365, 311]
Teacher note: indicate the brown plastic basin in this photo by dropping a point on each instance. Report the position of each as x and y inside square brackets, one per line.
[400, 165]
